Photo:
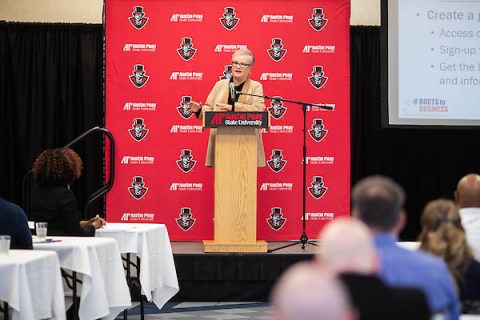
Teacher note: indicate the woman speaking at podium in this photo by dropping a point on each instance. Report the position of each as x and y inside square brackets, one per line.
[224, 97]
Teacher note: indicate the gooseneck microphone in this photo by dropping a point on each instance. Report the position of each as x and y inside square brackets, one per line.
[233, 92]
[233, 96]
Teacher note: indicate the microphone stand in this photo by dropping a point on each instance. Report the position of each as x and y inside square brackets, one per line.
[303, 238]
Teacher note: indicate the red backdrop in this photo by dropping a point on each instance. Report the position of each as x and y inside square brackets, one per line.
[161, 54]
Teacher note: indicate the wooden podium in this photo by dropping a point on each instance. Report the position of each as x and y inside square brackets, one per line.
[235, 200]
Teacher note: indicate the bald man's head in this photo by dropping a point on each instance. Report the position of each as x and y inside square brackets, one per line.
[347, 246]
[467, 194]
[303, 293]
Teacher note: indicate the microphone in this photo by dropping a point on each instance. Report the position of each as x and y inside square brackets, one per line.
[233, 92]
[238, 93]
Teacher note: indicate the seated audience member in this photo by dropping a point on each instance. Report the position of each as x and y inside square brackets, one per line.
[347, 249]
[443, 235]
[13, 222]
[378, 202]
[303, 293]
[51, 199]
[467, 198]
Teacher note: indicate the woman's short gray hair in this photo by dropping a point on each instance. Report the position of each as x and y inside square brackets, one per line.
[244, 51]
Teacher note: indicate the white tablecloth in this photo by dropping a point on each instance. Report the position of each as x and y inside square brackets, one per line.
[411, 245]
[150, 242]
[104, 292]
[31, 283]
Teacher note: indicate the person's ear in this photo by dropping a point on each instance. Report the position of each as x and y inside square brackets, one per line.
[401, 221]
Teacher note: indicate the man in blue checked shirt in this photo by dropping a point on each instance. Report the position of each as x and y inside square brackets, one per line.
[378, 202]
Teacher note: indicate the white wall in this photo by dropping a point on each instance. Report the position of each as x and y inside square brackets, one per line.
[364, 12]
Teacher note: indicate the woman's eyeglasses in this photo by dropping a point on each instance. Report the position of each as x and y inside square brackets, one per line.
[240, 64]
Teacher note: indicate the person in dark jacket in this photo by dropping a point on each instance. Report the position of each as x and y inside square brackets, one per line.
[13, 222]
[53, 201]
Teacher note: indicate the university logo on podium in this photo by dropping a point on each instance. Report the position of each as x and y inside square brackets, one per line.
[317, 21]
[186, 221]
[138, 189]
[318, 189]
[138, 18]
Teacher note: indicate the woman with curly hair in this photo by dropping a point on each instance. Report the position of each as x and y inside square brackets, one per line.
[443, 235]
[52, 201]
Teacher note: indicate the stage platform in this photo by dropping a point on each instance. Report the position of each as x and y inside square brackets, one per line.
[232, 276]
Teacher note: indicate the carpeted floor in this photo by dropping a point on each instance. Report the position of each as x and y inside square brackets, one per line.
[203, 311]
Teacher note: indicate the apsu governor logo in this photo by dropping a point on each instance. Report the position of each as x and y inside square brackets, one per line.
[276, 220]
[276, 109]
[186, 162]
[138, 131]
[318, 189]
[317, 21]
[139, 78]
[186, 221]
[276, 51]
[138, 189]
[227, 72]
[318, 79]
[276, 162]
[183, 107]
[318, 131]
[186, 50]
[138, 18]
[229, 19]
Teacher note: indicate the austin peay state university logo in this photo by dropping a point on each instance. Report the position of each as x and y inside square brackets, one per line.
[185, 221]
[276, 51]
[183, 108]
[318, 79]
[138, 19]
[318, 189]
[276, 109]
[186, 50]
[227, 72]
[276, 220]
[138, 189]
[318, 131]
[186, 162]
[318, 21]
[276, 162]
[229, 20]
[138, 78]
[138, 131]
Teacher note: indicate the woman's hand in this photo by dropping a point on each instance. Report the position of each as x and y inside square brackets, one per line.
[194, 106]
[222, 107]
[98, 222]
